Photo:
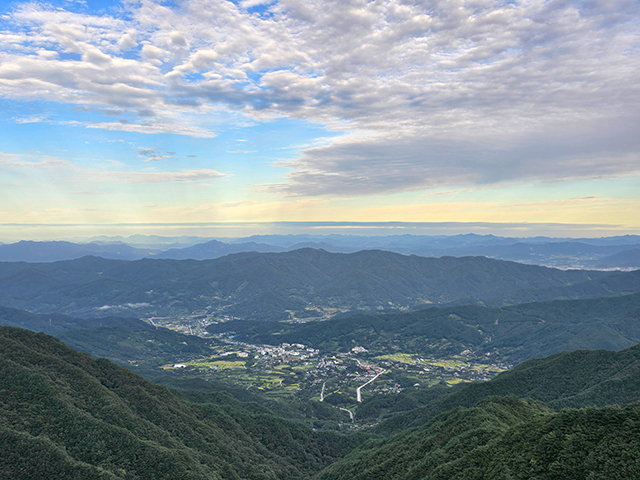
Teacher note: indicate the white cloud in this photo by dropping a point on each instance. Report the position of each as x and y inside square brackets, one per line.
[255, 3]
[148, 128]
[445, 91]
[128, 40]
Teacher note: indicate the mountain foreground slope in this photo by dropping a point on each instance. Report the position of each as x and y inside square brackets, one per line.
[505, 438]
[67, 415]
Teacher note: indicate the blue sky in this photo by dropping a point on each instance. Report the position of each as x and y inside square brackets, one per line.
[257, 113]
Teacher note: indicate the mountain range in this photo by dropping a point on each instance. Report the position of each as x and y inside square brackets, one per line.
[604, 253]
[299, 284]
[568, 409]
[504, 438]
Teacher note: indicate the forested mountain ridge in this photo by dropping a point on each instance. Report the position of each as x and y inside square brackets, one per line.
[504, 438]
[54, 251]
[66, 415]
[274, 286]
[574, 379]
[622, 283]
[513, 333]
[56, 323]
[215, 249]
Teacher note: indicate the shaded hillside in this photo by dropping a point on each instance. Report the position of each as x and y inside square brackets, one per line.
[129, 342]
[142, 351]
[566, 254]
[627, 259]
[620, 283]
[505, 438]
[513, 333]
[66, 415]
[271, 286]
[554, 252]
[568, 379]
[56, 323]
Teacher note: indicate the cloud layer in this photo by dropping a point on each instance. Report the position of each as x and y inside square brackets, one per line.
[429, 93]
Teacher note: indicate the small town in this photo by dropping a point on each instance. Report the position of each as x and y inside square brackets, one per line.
[294, 370]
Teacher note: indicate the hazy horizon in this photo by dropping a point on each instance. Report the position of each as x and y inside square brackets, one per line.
[78, 233]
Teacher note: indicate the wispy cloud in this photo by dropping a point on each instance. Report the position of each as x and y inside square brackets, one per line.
[14, 161]
[70, 171]
[159, 177]
[32, 119]
[147, 128]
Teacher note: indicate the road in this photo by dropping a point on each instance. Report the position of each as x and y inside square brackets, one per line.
[359, 389]
[348, 411]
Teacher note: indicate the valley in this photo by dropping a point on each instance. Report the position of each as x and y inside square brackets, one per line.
[297, 373]
[323, 366]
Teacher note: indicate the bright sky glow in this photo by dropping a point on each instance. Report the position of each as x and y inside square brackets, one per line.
[245, 112]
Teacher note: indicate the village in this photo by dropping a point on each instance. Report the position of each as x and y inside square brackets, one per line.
[294, 370]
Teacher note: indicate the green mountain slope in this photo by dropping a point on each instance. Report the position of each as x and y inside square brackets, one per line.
[65, 415]
[627, 258]
[143, 351]
[56, 323]
[505, 438]
[568, 379]
[269, 286]
[31, 251]
[620, 283]
[129, 342]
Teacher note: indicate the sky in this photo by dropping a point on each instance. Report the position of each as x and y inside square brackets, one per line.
[228, 118]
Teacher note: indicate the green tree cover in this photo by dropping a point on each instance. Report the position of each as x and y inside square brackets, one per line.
[57, 323]
[66, 415]
[518, 332]
[599, 286]
[568, 379]
[627, 258]
[536, 329]
[142, 351]
[94, 419]
[376, 408]
[314, 413]
[266, 286]
[504, 439]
